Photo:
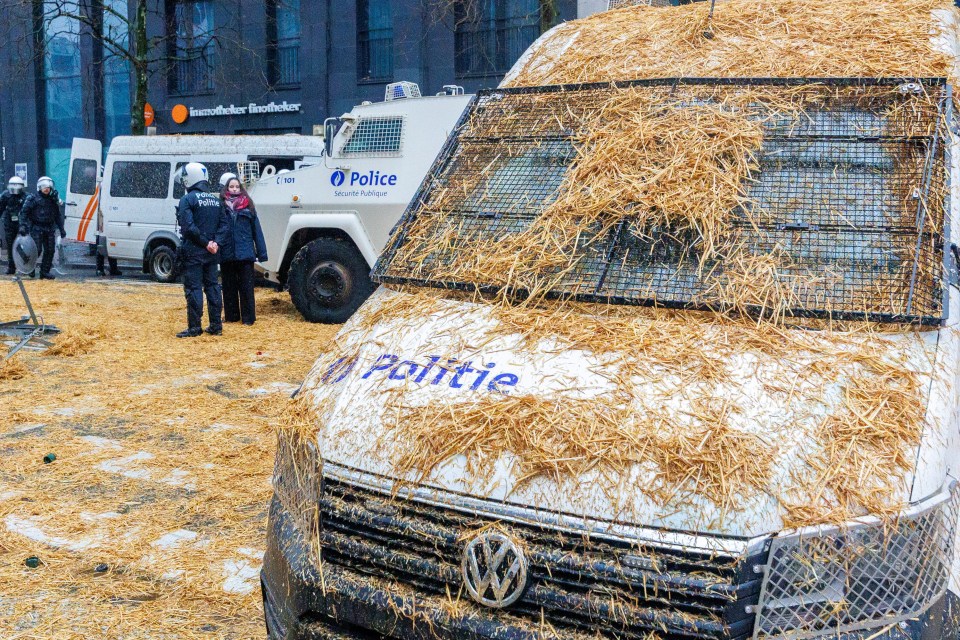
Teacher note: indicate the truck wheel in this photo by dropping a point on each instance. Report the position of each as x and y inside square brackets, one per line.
[163, 263]
[328, 280]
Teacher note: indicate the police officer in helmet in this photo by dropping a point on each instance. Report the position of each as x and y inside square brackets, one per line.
[203, 227]
[41, 218]
[11, 201]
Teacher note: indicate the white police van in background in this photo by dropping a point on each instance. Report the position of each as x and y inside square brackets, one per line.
[133, 208]
[326, 224]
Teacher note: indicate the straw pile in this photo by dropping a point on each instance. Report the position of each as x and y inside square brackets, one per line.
[564, 438]
[758, 39]
[881, 421]
[164, 450]
[13, 369]
[642, 157]
[74, 342]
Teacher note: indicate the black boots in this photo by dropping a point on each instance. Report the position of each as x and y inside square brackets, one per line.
[190, 333]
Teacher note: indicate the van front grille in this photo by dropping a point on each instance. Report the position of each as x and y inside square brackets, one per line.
[576, 583]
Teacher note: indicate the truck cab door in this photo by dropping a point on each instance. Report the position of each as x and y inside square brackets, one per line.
[83, 190]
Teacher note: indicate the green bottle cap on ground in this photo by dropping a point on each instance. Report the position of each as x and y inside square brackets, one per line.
[33, 562]
[50, 457]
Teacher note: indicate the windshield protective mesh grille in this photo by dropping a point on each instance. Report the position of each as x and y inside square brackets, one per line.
[806, 197]
[375, 136]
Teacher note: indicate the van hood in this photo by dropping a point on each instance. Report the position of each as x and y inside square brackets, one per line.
[675, 420]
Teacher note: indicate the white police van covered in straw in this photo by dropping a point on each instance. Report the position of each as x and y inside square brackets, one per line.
[574, 465]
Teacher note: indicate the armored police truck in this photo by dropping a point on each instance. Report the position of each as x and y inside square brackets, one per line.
[326, 224]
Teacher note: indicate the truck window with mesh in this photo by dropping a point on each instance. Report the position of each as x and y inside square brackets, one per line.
[375, 136]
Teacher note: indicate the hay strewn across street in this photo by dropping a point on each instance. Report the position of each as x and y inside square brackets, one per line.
[150, 523]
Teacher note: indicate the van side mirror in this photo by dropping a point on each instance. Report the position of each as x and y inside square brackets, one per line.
[330, 126]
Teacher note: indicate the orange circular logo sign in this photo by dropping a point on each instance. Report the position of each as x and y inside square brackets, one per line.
[148, 114]
[180, 114]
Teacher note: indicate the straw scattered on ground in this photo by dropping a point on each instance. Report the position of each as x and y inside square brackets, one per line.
[74, 342]
[151, 521]
[13, 369]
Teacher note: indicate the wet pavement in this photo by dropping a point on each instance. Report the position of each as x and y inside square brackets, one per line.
[81, 263]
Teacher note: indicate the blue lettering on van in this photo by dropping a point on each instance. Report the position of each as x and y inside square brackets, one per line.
[285, 180]
[372, 178]
[452, 372]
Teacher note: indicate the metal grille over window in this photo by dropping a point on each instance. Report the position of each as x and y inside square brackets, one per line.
[375, 136]
[802, 197]
[860, 576]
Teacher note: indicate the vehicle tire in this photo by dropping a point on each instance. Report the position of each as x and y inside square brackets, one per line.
[328, 280]
[163, 263]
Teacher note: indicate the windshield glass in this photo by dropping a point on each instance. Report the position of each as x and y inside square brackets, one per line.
[793, 197]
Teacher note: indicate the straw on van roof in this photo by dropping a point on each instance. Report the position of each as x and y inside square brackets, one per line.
[748, 38]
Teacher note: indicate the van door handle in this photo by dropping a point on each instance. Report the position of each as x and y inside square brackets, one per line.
[71, 204]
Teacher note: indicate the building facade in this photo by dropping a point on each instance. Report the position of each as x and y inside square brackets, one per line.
[239, 66]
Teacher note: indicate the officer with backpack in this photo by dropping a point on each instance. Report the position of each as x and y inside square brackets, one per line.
[203, 228]
[11, 201]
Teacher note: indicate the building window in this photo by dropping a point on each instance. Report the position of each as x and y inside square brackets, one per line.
[116, 72]
[192, 46]
[63, 90]
[283, 47]
[374, 41]
[490, 35]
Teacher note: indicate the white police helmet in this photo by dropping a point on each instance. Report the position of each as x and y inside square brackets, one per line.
[43, 182]
[227, 177]
[192, 173]
[16, 184]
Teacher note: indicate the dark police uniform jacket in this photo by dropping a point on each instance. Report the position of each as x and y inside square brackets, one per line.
[201, 219]
[41, 213]
[10, 205]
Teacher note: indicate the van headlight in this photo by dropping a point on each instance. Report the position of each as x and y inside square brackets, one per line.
[297, 478]
[868, 573]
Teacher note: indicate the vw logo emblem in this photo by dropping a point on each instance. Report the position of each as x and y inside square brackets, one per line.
[337, 178]
[494, 570]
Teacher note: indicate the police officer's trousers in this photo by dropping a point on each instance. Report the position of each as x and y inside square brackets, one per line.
[9, 237]
[46, 239]
[199, 279]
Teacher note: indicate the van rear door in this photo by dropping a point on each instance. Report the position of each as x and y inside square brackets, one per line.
[83, 190]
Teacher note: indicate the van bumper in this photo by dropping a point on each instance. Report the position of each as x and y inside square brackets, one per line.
[302, 601]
